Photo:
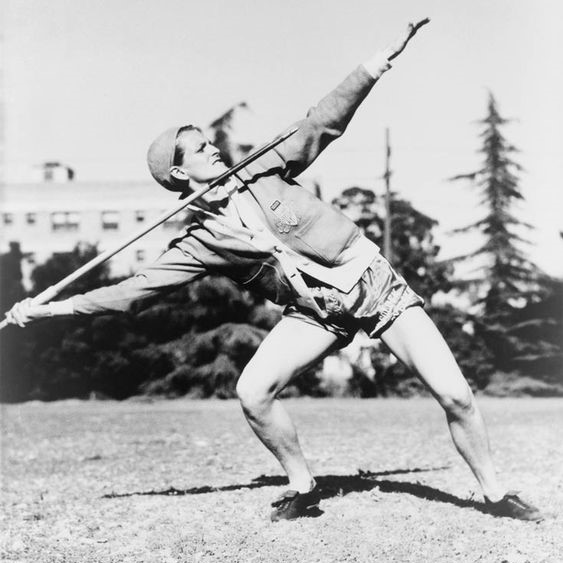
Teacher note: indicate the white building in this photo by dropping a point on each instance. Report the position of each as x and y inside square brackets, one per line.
[49, 217]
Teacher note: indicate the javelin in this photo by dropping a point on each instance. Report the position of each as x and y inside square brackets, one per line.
[52, 291]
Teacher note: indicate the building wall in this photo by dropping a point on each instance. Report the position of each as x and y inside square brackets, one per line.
[49, 217]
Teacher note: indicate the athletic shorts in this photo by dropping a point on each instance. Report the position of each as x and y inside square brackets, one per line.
[378, 298]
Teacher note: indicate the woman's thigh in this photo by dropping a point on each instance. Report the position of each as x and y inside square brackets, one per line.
[291, 347]
[416, 341]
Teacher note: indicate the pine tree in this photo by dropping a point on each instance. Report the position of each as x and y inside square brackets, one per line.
[506, 279]
[506, 272]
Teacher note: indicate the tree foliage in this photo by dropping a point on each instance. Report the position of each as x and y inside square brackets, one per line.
[194, 340]
[11, 286]
[62, 264]
[507, 281]
[506, 273]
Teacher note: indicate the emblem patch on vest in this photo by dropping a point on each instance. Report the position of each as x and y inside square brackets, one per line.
[286, 218]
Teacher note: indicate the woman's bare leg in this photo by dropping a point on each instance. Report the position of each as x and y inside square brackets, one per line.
[291, 347]
[416, 341]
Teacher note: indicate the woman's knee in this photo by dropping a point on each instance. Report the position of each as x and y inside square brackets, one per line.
[459, 403]
[254, 394]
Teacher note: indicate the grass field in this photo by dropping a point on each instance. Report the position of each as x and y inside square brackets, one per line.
[187, 481]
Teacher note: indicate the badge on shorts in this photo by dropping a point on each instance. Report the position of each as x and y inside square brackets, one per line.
[285, 216]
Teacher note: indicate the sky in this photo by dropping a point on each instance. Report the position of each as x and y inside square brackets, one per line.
[92, 82]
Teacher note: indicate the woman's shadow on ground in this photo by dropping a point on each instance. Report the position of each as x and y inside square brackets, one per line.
[336, 485]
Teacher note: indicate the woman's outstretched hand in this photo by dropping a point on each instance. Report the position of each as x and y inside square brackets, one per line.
[25, 311]
[395, 49]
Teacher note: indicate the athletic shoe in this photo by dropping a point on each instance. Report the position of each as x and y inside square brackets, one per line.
[291, 505]
[512, 506]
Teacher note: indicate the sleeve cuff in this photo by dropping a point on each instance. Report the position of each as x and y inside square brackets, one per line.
[377, 65]
[58, 308]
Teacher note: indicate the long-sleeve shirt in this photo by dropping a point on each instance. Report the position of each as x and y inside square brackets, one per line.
[324, 244]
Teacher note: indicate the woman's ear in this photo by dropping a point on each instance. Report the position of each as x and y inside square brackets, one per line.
[179, 174]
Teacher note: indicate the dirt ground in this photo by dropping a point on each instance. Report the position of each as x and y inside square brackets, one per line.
[187, 481]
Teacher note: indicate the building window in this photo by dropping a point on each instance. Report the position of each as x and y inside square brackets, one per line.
[140, 255]
[65, 221]
[31, 218]
[8, 218]
[110, 220]
[140, 216]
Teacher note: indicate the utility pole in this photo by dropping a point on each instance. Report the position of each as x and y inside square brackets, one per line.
[2, 98]
[387, 176]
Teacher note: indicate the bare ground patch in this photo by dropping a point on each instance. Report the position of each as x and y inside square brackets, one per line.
[187, 481]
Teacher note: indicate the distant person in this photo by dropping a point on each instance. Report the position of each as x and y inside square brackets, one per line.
[264, 231]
